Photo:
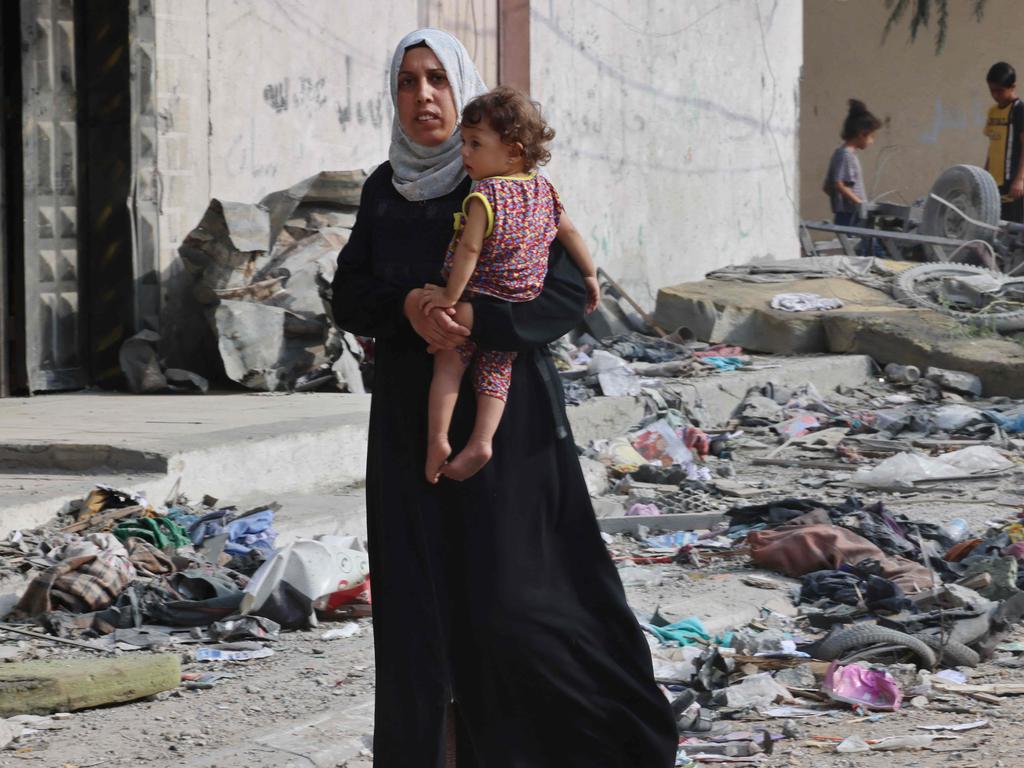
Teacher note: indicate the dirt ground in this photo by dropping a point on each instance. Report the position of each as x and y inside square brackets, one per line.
[310, 704]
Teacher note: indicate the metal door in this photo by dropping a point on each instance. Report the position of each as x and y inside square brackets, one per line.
[53, 322]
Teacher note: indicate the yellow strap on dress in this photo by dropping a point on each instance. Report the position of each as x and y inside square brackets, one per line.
[460, 218]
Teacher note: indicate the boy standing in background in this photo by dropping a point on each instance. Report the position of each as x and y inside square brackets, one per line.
[1005, 131]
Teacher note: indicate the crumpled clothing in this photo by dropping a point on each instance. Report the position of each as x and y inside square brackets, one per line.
[636, 347]
[251, 532]
[850, 588]
[158, 531]
[147, 559]
[804, 302]
[88, 574]
[799, 550]
[688, 631]
[245, 533]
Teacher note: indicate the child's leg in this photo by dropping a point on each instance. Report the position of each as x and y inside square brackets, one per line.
[449, 366]
[492, 373]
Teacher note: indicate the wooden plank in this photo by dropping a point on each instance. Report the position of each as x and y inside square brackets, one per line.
[43, 687]
[52, 639]
[806, 464]
[687, 521]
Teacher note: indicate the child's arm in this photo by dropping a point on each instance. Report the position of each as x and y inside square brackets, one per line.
[467, 253]
[571, 238]
[848, 192]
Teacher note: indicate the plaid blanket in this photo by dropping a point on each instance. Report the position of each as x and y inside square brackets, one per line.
[89, 574]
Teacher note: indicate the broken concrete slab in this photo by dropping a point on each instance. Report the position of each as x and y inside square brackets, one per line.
[871, 323]
[727, 312]
[924, 338]
[714, 398]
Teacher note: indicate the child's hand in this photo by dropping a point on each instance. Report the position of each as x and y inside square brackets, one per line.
[593, 293]
[434, 296]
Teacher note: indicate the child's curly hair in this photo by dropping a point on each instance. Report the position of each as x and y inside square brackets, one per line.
[516, 119]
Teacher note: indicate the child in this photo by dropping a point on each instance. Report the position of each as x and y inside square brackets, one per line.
[500, 249]
[1005, 131]
[844, 183]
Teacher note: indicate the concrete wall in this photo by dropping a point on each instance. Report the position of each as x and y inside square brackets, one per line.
[255, 96]
[676, 147]
[934, 105]
[677, 141]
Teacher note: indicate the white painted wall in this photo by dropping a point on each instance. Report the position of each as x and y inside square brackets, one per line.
[676, 121]
[256, 95]
[676, 150]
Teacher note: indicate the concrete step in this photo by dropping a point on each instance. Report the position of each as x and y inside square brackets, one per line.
[54, 448]
[258, 447]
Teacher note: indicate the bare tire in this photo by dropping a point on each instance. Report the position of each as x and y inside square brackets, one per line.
[911, 287]
[973, 191]
[858, 639]
[950, 653]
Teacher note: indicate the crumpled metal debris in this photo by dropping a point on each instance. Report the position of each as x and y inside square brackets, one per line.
[262, 273]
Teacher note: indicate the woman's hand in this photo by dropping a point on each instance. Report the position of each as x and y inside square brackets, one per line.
[438, 328]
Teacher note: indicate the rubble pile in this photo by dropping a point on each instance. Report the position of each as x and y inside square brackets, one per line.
[882, 611]
[261, 274]
[113, 574]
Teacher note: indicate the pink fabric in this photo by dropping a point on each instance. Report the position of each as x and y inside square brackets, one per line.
[514, 259]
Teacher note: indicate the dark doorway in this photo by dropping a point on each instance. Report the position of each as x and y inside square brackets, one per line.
[11, 375]
[105, 181]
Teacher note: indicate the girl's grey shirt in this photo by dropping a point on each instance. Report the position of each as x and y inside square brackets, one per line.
[845, 167]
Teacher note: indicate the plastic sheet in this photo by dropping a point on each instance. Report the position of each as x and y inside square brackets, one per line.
[904, 469]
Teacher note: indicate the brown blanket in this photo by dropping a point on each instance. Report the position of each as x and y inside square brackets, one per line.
[798, 550]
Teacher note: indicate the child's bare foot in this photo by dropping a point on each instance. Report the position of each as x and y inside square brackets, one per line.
[469, 461]
[438, 451]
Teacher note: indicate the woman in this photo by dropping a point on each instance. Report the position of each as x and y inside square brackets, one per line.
[495, 601]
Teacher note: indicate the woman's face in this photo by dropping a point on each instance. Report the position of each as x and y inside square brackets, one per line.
[426, 104]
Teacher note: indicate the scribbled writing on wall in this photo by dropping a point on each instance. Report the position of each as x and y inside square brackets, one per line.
[374, 111]
[307, 93]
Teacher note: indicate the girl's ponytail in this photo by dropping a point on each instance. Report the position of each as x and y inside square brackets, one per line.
[859, 120]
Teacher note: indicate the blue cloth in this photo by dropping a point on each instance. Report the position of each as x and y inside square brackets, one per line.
[245, 534]
[689, 631]
[1014, 423]
[724, 363]
[251, 532]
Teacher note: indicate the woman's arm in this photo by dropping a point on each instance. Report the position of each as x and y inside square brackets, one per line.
[519, 326]
[363, 303]
[367, 305]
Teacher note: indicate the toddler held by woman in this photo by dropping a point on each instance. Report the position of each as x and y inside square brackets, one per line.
[500, 249]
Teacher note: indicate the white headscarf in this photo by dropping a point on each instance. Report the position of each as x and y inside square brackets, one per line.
[422, 173]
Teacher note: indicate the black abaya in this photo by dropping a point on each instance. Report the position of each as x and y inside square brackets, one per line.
[496, 593]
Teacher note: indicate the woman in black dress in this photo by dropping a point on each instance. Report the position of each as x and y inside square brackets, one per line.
[494, 600]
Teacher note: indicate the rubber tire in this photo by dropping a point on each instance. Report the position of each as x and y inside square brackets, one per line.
[972, 190]
[952, 653]
[860, 636]
[905, 291]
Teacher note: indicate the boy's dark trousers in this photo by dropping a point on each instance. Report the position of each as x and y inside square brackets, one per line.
[868, 247]
[1013, 210]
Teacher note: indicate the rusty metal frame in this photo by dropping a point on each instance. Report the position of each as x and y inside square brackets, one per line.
[514, 43]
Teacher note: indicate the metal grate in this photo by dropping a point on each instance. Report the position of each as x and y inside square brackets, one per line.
[53, 332]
